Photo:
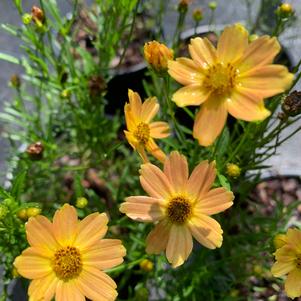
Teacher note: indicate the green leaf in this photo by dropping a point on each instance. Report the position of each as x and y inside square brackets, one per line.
[224, 181]
[4, 193]
[9, 58]
[18, 185]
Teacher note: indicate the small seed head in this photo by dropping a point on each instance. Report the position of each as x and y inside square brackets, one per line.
[291, 105]
[35, 151]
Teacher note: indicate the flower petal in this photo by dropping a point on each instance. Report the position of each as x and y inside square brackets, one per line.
[191, 95]
[232, 43]
[206, 231]
[90, 230]
[176, 170]
[159, 129]
[293, 284]
[135, 103]
[202, 52]
[185, 71]
[287, 253]
[210, 121]
[107, 254]
[154, 181]
[157, 239]
[215, 201]
[68, 291]
[294, 239]
[281, 268]
[149, 109]
[129, 118]
[155, 150]
[143, 208]
[179, 245]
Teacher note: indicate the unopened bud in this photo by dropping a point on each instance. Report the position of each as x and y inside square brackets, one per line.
[22, 214]
[183, 6]
[96, 85]
[253, 37]
[286, 8]
[65, 93]
[233, 170]
[292, 104]
[15, 81]
[33, 211]
[212, 5]
[26, 19]
[146, 265]
[81, 202]
[37, 14]
[35, 151]
[197, 15]
[279, 240]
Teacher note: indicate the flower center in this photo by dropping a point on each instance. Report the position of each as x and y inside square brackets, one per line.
[298, 261]
[220, 78]
[142, 132]
[179, 210]
[67, 263]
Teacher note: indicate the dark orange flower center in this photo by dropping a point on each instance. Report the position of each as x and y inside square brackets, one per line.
[142, 133]
[67, 263]
[179, 210]
[220, 78]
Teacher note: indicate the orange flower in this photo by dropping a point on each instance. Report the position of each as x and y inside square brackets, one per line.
[234, 79]
[180, 206]
[65, 257]
[141, 130]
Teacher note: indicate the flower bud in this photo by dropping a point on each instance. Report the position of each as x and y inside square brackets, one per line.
[183, 6]
[97, 85]
[22, 214]
[253, 37]
[65, 93]
[146, 265]
[197, 15]
[233, 170]
[81, 202]
[212, 5]
[37, 15]
[15, 81]
[286, 8]
[33, 211]
[3, 211]
[279, 240]
[35, 151]
[292, 104]
[26, 19]
[157, 55]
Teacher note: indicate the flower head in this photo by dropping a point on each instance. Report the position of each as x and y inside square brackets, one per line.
[66, 257]
[288, 261]
[180, 206]
[234, 79]
[140, 130]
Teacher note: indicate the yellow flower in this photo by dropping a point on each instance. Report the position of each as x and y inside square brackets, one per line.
[66, 257]
[288, 261]
[234, 79]
[140, 130]
[157, 55]
[180, 206]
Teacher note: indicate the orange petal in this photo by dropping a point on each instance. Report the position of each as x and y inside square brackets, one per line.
[131, 139]
[149, 109]
[40, 233]
[68, 291]
[232, 43]
[157, 239]
[210, 121]
[267, 81]
[202, 52]
[155, 150]
[215, 201]
[90, 230]
[143, 208]
[107, 254]
[65, 224]
[282, 268]
[185, 71]
[159, 129]
[129, 118]
[293, 284]
[176, 170]
[206, 231]
[154, 181]
[242, 106]
[179, 245]
[135, 103]
[260, 52]
[191, 95]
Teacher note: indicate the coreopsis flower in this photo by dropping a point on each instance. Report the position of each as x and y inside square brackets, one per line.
[180, 206]
[288, 261]
[234, 79]
[66, 257]
[140, 130]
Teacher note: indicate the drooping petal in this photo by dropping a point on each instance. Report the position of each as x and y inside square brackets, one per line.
[232, 43]
[185, 71]
[202, 52]
[135, 103]
[155, 150]
[242, 106]
[282, 268]
[65, 224]
[179, 245]
[149, 109]
[210, 121]
[157, 239]
[201, 179]
[90, 230]
[206, 231]
[106, 254]
[68, 291]
[154, 181]
[159, 129]
[176, 170]
[191, 95]
[215, 201]
[293, 284]
[143, 208]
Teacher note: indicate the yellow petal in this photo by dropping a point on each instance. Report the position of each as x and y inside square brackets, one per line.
[143, 208]
[179, 245]
[294, 238]
[135, 103]
[282, 268]
[159, 129]
[293, 284]
[131, 139]
[210, 121]
[201, 179]
[107, 254]
[232, 43]
[157, 239]
[206, 231]
[129, 118]
[286, 253]
[68, 291]
[90, 230]
[149, 109]
[202, 52]
[215, 201]
[155, 150]
[185, 71]
[65, 224]
[176, 170]
[191, 95]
